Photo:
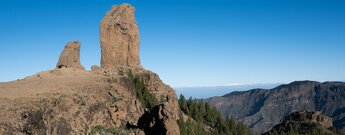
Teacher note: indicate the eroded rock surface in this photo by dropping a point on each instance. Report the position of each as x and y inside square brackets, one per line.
[70, 56]
[120, 38]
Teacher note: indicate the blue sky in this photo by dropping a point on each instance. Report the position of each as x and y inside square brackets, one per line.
[187, 42]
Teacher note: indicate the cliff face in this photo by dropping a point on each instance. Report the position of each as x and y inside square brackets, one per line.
[262, 109]
[108, 100]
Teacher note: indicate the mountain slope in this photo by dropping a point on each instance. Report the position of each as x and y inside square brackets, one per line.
[262, 109]
[74, 101]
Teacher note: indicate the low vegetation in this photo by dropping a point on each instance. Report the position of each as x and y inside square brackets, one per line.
[202, 119]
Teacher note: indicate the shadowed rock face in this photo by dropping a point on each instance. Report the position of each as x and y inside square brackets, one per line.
[120, 38]
[158, 121]
[262, 109]
[70, 56]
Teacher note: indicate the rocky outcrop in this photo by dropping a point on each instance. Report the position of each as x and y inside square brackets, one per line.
[311, 116]
[305, 122]
[70, 56]
[167, 113]
[164, 93]
[262, 109]
[119, 38]
[120, 55]
[158, 121]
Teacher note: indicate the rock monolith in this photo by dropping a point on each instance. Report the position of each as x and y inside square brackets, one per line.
[70, 56]
[119, 38]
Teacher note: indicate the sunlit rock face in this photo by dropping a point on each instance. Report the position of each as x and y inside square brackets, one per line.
[120, 38]
[70, 56]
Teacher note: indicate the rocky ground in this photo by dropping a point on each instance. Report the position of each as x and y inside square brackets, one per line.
[74, 101]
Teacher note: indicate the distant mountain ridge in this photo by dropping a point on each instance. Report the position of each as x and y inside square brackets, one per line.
[261, 109]
[211, 91]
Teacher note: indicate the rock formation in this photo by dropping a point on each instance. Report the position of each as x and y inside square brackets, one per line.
[168, 111]
[70, 56]
[303, 123]
[159, 121]
[119, 38]
[104, 101]
[311, 116]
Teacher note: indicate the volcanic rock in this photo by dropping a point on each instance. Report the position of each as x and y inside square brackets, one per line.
[159, 121]
[119, 36]
[70, 56]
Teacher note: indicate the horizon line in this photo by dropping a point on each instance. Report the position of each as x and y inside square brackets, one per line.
[251, 84]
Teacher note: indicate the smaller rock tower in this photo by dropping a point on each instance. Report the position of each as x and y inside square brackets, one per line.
[70, 56]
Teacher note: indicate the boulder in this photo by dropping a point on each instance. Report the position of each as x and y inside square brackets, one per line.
[70, 56]
[119, 38]
[96, 69]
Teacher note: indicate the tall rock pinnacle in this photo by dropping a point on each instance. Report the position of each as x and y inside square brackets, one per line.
[120, 38]
[70, 56]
